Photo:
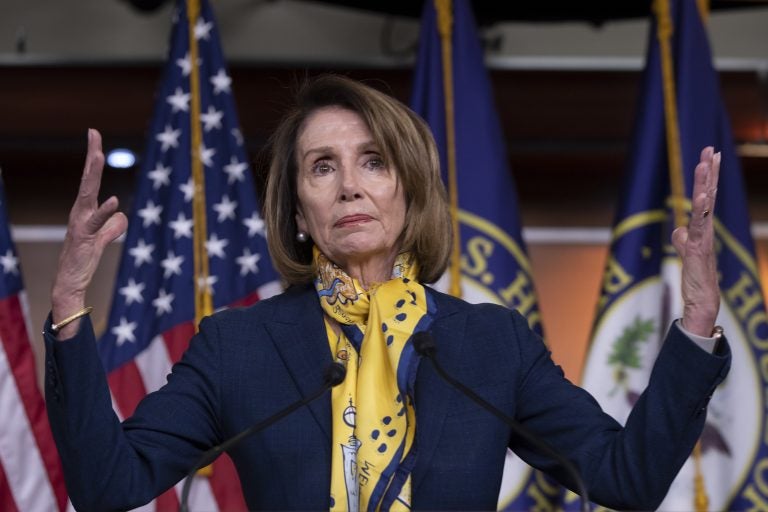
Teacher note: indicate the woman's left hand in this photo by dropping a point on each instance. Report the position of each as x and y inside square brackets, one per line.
[695, 245]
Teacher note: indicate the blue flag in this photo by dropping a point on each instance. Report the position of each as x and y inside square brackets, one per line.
[641, 286]
[153, 310]
[494, 265]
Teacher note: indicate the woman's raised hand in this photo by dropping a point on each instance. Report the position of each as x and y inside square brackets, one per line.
[695, 245]
[90, 228]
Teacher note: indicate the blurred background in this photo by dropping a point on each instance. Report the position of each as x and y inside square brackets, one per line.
[565, 76]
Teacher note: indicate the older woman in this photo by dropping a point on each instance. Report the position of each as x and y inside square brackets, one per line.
[358, 225]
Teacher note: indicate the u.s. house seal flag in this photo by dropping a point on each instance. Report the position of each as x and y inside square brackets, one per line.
[641, 285]
[494, 266]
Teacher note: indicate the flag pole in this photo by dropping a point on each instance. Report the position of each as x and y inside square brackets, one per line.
[203, 302]
[444, 10]
[677, 183]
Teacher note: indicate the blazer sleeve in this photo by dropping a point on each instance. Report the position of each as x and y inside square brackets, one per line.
[109, 465]
[623, 467]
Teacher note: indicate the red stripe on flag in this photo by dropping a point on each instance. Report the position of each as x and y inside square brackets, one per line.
[225, 484]
[6, 498]
[127, 388]
[15, 340]
[167, 501]
[246, 301]
[177, 339]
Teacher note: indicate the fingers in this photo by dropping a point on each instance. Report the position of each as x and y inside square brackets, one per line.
[679, 239]
[704, 192]
[87, 196]
[102, 215]
[710, 163]
[714, 178]
[115, 226]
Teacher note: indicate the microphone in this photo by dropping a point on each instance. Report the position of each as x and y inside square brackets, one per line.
[333, 376]
[424, 345]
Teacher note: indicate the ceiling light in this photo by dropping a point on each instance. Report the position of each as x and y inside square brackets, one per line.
[121, 158]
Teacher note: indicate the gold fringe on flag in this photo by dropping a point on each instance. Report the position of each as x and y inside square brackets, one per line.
[703, 6]
[203, 301]
[444, 10]
[664, 30]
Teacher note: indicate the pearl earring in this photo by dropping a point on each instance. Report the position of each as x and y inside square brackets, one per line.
[301, 237]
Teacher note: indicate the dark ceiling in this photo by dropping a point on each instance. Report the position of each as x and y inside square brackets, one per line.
[489, 12]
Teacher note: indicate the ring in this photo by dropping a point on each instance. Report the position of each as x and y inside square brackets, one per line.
[705, 213]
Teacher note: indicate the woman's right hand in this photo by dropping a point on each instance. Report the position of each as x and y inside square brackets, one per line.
[90, 228]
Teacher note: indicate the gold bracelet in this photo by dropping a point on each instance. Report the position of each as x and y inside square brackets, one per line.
[57, 327]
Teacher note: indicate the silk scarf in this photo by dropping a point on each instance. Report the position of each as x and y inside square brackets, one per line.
[374, 421]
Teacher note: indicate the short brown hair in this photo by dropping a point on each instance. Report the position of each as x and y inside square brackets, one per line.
[405, 141]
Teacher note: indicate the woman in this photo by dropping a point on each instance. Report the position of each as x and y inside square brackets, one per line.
[357, 223]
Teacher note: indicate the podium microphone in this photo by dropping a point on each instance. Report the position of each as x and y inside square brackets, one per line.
[424, 345]
[334, 375]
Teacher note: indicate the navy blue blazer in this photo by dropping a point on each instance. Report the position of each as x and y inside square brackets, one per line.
[245, 364]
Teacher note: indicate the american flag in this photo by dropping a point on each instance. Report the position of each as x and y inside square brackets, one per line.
[31, 477]
[153, 307]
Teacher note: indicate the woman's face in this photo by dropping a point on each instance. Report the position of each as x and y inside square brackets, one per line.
[350, 200]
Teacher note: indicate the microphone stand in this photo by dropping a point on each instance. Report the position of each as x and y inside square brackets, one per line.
[425, 346]
[334, 375]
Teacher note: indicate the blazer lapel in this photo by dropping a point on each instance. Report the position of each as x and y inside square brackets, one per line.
[298, 332]
[433, 395]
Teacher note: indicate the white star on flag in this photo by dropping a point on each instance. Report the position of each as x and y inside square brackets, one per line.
[255, 224]
[248, 262]
[179, 101]
[235, 169]
[163, 302]
[212, 118]
[215, 246]
[221, 82]
[160, 176]
[186, 64]
[202, 29]
[172, 265]
[188, 189]
[182, 226]
[238, 135]
[168, 138]
[207, 283]
[10, 263]
[206, 155]
[132, 292]
[225, 209]
[142, 253]
[124, 331]
[150, 214]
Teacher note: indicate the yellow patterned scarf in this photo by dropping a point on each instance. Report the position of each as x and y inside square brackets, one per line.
[374, 422]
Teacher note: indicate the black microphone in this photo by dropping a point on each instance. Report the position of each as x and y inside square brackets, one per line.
[424, 345]
[333, 376]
